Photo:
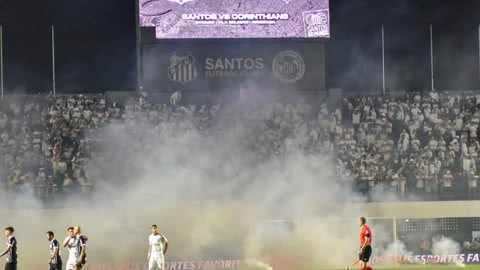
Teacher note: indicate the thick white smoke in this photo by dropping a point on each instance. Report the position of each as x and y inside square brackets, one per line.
[445, 246]
[234, 190]
[209, 192]
[395, 249]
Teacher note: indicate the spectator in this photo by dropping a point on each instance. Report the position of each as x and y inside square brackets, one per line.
[406, 144]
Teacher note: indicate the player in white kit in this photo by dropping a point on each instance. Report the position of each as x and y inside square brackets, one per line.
[71, 245]
[157, 247]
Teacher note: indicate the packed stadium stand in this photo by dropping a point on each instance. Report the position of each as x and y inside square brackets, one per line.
[413, 145]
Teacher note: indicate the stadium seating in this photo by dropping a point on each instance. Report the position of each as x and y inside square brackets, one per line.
[413, 145]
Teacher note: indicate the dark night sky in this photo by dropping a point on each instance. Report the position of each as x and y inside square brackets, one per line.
[95, 41]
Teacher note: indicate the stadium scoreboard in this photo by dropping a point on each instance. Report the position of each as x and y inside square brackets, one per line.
[237, 19]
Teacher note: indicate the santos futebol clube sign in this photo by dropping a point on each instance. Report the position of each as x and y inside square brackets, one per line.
[288, 67]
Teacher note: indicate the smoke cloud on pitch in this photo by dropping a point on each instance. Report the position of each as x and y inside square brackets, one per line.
[211, 195]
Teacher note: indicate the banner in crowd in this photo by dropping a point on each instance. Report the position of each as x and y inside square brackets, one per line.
[463, 258]
[216, 66]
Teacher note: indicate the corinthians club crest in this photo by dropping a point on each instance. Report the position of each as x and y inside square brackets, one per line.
[182, 69]
[181, 2]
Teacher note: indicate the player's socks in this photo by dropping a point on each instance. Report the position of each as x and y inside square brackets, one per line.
[369, 268]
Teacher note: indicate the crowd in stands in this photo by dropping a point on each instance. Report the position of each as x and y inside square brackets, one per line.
[469, 246]
[413, 144]
[421, 144]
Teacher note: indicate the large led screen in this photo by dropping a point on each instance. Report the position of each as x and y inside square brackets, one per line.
[200, 19]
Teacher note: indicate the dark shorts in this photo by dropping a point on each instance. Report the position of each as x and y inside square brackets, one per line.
[11, 266]
[83, 262]
[365, 255]
[56, 266]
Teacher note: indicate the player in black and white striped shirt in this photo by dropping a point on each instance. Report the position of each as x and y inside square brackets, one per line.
[81, 245]
[55, 260]
[11, 251]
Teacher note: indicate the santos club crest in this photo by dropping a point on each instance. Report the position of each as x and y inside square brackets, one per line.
[182, 69]
[288, 66]
[181, 2]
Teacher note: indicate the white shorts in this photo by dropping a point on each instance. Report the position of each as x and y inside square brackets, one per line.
[156, 262]
[71, 264]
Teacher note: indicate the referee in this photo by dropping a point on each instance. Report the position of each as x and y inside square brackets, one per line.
[365, 244]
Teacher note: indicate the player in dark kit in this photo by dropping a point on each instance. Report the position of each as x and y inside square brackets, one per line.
[55, 260]
[11, 252]
[365, 244]
[81, 245]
